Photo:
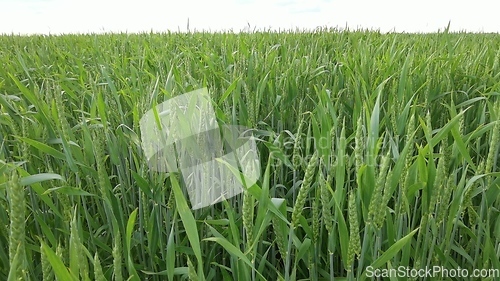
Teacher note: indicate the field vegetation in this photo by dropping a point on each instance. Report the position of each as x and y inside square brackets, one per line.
[376, 150]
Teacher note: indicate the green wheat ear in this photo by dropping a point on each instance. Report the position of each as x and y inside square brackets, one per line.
[76, 250]
[248, 210]
[494, 142]
[376, 207]
[280, 238]
[325, 203]
[193, 276]
[17, 226]
[359, 144]
[117, 258]
[304, 189]
[354, 247]
[315, 217]
[296, 156]
[98, 273]
[60, 252]
[47, 272]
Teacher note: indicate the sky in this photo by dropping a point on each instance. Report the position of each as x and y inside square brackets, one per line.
[97, 16]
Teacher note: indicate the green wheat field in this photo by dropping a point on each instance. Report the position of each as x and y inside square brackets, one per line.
[377, 152]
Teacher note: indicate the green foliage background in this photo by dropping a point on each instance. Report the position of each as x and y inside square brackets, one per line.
[402, 129]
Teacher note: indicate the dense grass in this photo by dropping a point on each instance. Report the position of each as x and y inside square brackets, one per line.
[376, 149]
